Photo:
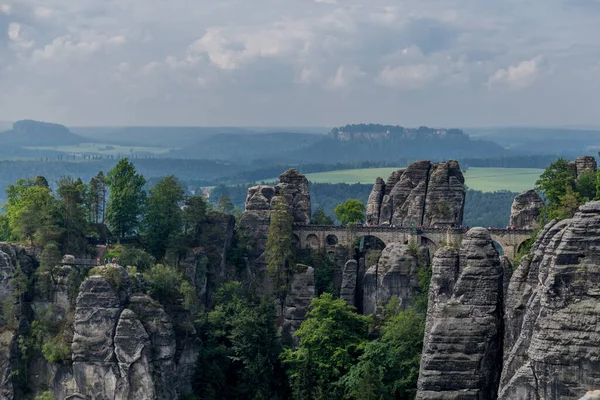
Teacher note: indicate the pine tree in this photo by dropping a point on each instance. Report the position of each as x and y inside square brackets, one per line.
[126, 199]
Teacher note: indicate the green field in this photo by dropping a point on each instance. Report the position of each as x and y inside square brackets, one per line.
[484, 179]
[101, 148]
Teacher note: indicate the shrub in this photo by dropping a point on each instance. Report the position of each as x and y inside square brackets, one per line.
[55, 350]
[168, 285]
[113, 274]
[131, 256]
[47, 395]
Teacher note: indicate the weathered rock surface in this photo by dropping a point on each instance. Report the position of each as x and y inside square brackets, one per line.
[552, 341]
[526, 209]
[462, 353]
[349, 281]
[424, 194]
[396, 274]
[302, 291]
[374, 202]
[446, 192]
[585, 163]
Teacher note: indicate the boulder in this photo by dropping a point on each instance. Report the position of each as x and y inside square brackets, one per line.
[462, 350]
[552, 340]
[526, 209]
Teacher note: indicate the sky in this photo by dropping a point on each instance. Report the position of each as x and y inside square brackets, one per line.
[450, 63]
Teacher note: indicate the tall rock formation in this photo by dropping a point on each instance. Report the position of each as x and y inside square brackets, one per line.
[424, 194]
[395, 274]
[526, 209]
[374, 202]
[585, 163]
[255, 219]
[552, 342]
[302, 291]
[462, 351]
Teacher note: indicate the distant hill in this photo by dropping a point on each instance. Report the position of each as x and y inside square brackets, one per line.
[35, 133]
[355, 143]
[245, 148]
[567, 142]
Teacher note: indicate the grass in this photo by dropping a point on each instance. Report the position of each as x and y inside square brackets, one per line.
[484, 179]
[102, 148]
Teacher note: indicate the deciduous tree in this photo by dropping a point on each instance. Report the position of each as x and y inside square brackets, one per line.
[126, 199]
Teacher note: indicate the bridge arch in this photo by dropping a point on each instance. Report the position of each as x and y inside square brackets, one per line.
[331, 240]
[312, 242]
[429, 243]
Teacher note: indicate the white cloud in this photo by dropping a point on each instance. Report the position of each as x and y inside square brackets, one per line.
[517, 76]
[407, 76]
[68, 46]
[5, 8]
[345, 76]
[17, 35]
[43, 12]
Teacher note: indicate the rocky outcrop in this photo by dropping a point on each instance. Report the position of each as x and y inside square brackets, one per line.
[552, 341]
[349, 280]
[444, 205]
[462, 350]
[526, 209]
[374, 202]
[395, 274]
[585, 163]
[424, 194]
[302, 291]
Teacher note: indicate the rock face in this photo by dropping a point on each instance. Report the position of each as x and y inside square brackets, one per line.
[396, 274]
[302, 291]
[526, 209]
[255, 219]
[586, 163]
[424, 194]
[374, 202]
[552, 341]
[349, 280]
[462, 352]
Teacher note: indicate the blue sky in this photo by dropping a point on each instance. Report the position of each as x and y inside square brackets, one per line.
[301, 62]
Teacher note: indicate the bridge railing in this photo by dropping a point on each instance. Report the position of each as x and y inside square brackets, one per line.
[390, 228]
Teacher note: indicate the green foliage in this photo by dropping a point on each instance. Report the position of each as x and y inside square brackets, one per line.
[225, 205]
[5, 232]
[194, 215]
[163, 217]
[320, 218]
[586, 185]
[167, 285]
[372, 258]
[50, 256]
[350, 212]
[47, 395]
[73, 214]
[331, 340]
[56, 351]
[323, 266]
[31, 211]
[389, 367]
[280, 249]
[239, 358]
[112, 273]
[132, 256]
[556, 180]
[126, 198]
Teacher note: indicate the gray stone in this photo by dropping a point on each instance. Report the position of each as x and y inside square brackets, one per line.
[585, 163]
[552, 340]
[408, 195]
[463, 346]
[349, 280]
[446, 192]
[374, 202]
[396, 274]
[302, 291]
[526, 209]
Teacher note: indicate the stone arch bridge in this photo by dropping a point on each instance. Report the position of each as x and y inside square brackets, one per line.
[321, 237]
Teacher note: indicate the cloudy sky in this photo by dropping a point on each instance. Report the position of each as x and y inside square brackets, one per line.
[301, 62]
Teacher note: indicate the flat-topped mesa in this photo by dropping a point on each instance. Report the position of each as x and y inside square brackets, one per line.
[526, 209]
[424, 194]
